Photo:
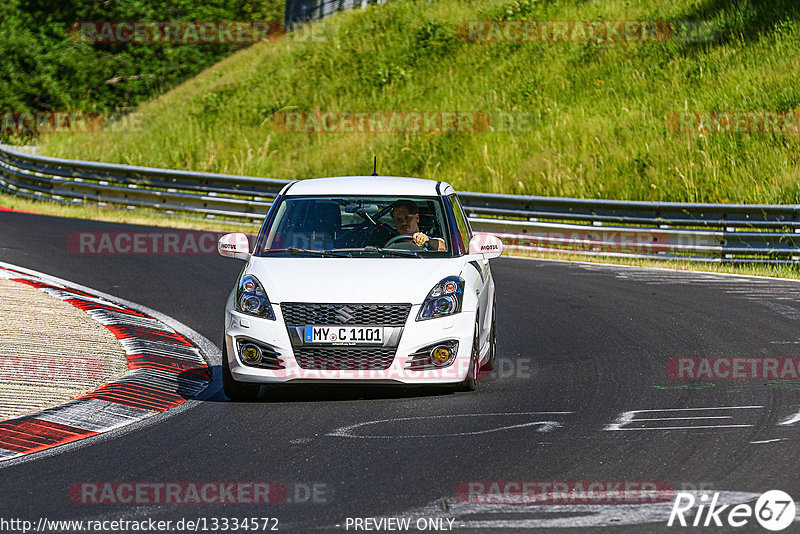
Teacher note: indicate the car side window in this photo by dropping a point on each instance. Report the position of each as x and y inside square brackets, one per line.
[461, 221]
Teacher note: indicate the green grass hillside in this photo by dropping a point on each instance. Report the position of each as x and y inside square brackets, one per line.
[600, 111]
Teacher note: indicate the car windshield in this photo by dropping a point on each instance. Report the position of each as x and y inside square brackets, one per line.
[357, 226]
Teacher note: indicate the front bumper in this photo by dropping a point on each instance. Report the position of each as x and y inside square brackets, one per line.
[409, 339]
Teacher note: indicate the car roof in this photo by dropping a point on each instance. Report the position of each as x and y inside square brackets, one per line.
[369, 185]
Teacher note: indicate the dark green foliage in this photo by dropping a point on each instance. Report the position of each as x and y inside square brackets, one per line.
[433, 40]
[42, 68]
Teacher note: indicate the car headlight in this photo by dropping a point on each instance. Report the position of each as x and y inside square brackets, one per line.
[444, 299]
[251, 298]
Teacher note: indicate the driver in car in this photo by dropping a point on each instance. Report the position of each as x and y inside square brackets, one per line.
[405, 215]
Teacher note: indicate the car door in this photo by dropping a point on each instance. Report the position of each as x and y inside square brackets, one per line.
[482, 288]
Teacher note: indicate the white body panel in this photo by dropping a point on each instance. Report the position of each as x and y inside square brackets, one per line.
[351, 280]
[370, 185]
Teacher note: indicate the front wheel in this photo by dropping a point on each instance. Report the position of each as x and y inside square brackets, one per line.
[470, 383]
[491, 361]
[234, 390]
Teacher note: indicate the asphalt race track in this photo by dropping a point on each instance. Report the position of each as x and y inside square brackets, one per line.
[579, 346]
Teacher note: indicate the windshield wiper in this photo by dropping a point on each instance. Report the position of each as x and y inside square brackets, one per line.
[311, 252]
[393, 251]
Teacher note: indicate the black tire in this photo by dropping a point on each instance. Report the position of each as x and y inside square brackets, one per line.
[235, 390]
[490, 364]
[470, 383]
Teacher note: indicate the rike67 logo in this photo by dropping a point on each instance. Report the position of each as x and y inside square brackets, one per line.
[774, 510]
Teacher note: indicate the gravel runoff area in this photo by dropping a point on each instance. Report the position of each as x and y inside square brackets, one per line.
[50, 351]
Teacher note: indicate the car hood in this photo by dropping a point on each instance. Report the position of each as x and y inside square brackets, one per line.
[356, 280]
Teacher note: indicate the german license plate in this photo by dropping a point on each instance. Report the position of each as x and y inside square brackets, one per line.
[350, 335]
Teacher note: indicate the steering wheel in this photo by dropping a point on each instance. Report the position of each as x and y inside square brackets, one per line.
[364, 225]
[397, 238]
[400, 237]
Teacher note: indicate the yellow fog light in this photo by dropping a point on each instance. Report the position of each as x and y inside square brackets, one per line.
[440, 354]
[251, 353]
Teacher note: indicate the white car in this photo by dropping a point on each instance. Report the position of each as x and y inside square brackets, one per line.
[359, 280]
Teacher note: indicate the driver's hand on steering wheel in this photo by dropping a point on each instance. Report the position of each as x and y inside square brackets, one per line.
[420, 239]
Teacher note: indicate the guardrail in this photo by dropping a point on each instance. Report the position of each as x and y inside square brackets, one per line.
[662, 230]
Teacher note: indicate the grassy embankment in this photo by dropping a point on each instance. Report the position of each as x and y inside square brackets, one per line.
[601, 109]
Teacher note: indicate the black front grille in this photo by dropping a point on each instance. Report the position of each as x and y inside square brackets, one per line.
[344, 358]
[301, 314]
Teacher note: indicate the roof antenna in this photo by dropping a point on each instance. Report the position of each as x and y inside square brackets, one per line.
[375, 167]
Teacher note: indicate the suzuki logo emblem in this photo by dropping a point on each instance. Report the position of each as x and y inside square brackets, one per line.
[345, 314]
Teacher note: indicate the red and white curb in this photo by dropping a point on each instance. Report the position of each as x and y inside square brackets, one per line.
[165, 369]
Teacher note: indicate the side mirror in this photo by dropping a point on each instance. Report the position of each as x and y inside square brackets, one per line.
[234, 246]
[487, 244]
